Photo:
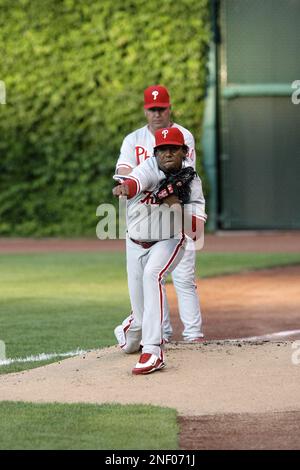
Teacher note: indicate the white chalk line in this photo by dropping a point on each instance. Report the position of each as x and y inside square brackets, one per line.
[78, 352]
[279, 334]
[41, 357]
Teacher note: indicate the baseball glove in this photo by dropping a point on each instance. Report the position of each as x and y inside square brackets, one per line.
[178, 184]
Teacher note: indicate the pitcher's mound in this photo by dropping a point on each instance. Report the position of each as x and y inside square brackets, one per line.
[199, 379]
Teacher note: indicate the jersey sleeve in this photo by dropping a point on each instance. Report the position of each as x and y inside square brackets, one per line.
[127, 154]
[146, 175]
[196, 206]
[191, 157]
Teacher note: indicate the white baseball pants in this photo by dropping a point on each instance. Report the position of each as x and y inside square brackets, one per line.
[188, 301]
[147, 270]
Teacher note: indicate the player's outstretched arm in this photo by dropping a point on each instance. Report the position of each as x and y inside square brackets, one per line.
[124, 171]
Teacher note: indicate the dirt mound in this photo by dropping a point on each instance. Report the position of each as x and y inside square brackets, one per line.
[198, 380]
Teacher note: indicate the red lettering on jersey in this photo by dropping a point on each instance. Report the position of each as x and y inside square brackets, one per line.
[141, 154]
[148, 199]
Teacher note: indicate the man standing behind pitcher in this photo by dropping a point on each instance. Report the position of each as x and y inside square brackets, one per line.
[136, 148]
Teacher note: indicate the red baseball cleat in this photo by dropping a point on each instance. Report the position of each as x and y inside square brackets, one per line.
[148, 363]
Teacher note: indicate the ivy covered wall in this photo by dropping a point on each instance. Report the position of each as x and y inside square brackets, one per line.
[74, 73]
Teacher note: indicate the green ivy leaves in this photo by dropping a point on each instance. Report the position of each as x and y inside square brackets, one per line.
[75, 72]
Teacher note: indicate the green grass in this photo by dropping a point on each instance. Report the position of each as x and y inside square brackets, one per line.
[58, 302]
[84, 426]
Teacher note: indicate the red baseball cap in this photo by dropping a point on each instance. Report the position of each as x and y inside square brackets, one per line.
[156, 96]
[169, 136]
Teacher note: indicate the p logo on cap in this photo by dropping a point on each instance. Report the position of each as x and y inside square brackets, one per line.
[156, 96]
[169, 136]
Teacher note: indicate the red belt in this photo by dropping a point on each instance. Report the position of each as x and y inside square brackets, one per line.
[144, 244]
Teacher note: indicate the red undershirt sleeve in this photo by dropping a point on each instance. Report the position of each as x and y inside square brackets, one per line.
[133, 187]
